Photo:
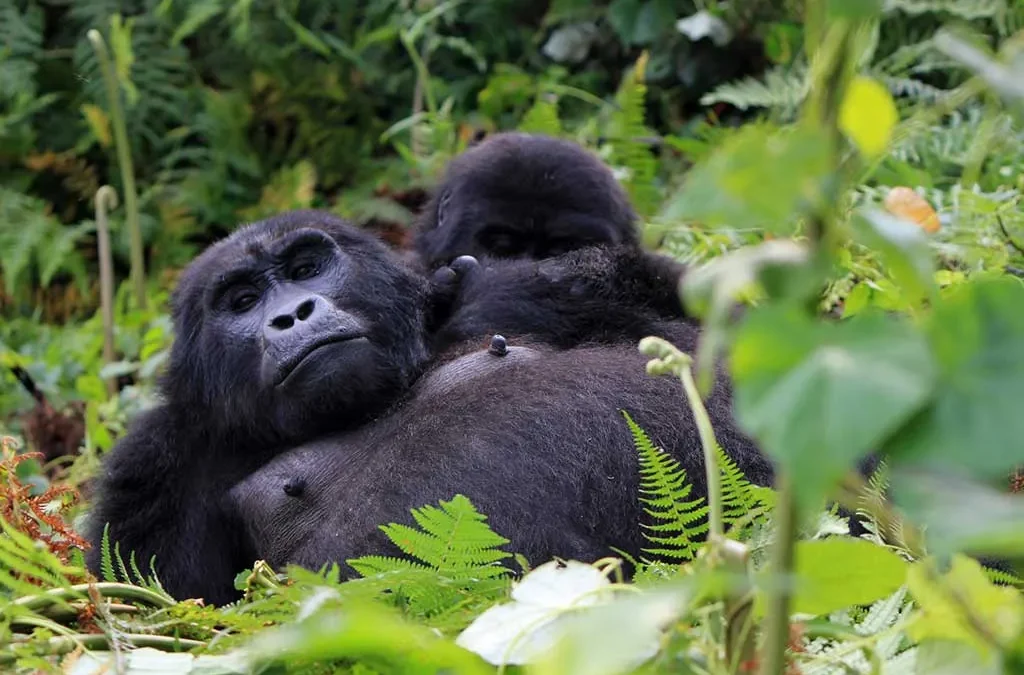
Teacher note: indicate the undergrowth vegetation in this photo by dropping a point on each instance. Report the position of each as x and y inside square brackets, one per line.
[850, 170]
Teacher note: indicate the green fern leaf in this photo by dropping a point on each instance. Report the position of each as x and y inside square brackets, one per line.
[457, 555]
[782, 89]
[665, 494]
[454, 540]
[964, 9]
[542, 118]
[371, 565]
[629, 152]
[106, 559]
[739, 496]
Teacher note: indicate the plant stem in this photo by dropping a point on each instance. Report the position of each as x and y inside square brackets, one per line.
[124, 160]
[106, 198]
[68, 643]
[716, 530]
[105, 589]
[776, 635]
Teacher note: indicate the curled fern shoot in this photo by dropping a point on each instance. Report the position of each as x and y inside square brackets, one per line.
[665, 494]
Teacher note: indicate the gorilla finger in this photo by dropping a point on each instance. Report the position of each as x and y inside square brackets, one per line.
[464, 264]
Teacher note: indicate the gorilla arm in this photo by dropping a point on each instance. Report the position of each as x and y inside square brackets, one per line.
[162, 499]
[596, 294]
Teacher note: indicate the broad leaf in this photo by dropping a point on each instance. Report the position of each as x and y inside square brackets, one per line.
[519, 631]
[868, 116]
[964, 606]
[975, 422]
[760, 177]
[904, 248]
[961, 515]
[841, 572]
[818, 396]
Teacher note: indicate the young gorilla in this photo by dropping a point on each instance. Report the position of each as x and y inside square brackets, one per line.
[519, 195]
[299, 326]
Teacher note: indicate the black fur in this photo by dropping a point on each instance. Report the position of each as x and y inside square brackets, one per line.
[519, 195]
[537, 443]
[225, 414]
[229, 407]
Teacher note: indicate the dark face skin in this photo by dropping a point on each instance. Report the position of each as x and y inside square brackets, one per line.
[523, 196]
[287, 333]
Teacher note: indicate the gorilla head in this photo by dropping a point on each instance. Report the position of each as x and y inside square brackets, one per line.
[293, 321]
[518, 195]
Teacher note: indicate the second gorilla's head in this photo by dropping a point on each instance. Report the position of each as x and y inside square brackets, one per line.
[294, 324]
[519, 195]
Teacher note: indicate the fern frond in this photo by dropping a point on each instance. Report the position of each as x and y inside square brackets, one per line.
[1005, 578]
[782, 89]
[457, 556]
[963, 9]
[737, 497]
[372, 565]
[665, 495]
[106, 559]
[542, 118]
[628, 151]
[455, 539]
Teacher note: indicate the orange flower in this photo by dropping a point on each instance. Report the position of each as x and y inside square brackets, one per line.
[905, 203]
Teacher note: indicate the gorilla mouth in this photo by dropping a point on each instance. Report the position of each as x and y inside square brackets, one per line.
[288, 368]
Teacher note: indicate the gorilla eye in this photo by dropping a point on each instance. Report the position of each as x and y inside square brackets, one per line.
[243, 302]
[304, 271]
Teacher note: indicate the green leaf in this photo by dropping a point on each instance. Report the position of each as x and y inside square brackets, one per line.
[975, 422]
[854, 9]
[955, 605]
[817, 396]
[961, 515]
[868, 116]
[758, 178]
[841, 572]
[946, 657]
[904, 247]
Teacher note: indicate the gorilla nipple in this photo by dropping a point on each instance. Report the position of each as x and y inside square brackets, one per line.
[499, 346]
[295, 487]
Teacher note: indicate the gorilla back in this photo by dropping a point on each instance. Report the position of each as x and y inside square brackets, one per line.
[537, 442]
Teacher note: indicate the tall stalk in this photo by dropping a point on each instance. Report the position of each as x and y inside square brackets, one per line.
[831, 70]
[106, 198]
[124, 161]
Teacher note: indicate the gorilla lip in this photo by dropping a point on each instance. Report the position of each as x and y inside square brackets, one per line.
[312, 347]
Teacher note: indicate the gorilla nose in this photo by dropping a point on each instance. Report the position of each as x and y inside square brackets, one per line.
[299, 311]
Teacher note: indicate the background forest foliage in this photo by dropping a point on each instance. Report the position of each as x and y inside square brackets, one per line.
[236, 109]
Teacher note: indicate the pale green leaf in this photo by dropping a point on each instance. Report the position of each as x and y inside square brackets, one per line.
[841, 572]
[818, 396]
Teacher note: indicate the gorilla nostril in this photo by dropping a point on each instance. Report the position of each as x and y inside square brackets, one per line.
[283, 322]
[305, 309]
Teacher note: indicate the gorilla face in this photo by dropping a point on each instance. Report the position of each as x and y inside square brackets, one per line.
[523, 196]
[287, 327]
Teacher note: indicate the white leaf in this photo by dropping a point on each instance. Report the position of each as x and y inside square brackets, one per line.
[570, 44]
[517, 632]
[703, 24]
[149, 661]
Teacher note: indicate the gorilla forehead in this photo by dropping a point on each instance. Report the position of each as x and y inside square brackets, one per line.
[516, 165]
[253, 240]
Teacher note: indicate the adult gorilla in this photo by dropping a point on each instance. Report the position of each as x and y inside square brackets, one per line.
[301, 325]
